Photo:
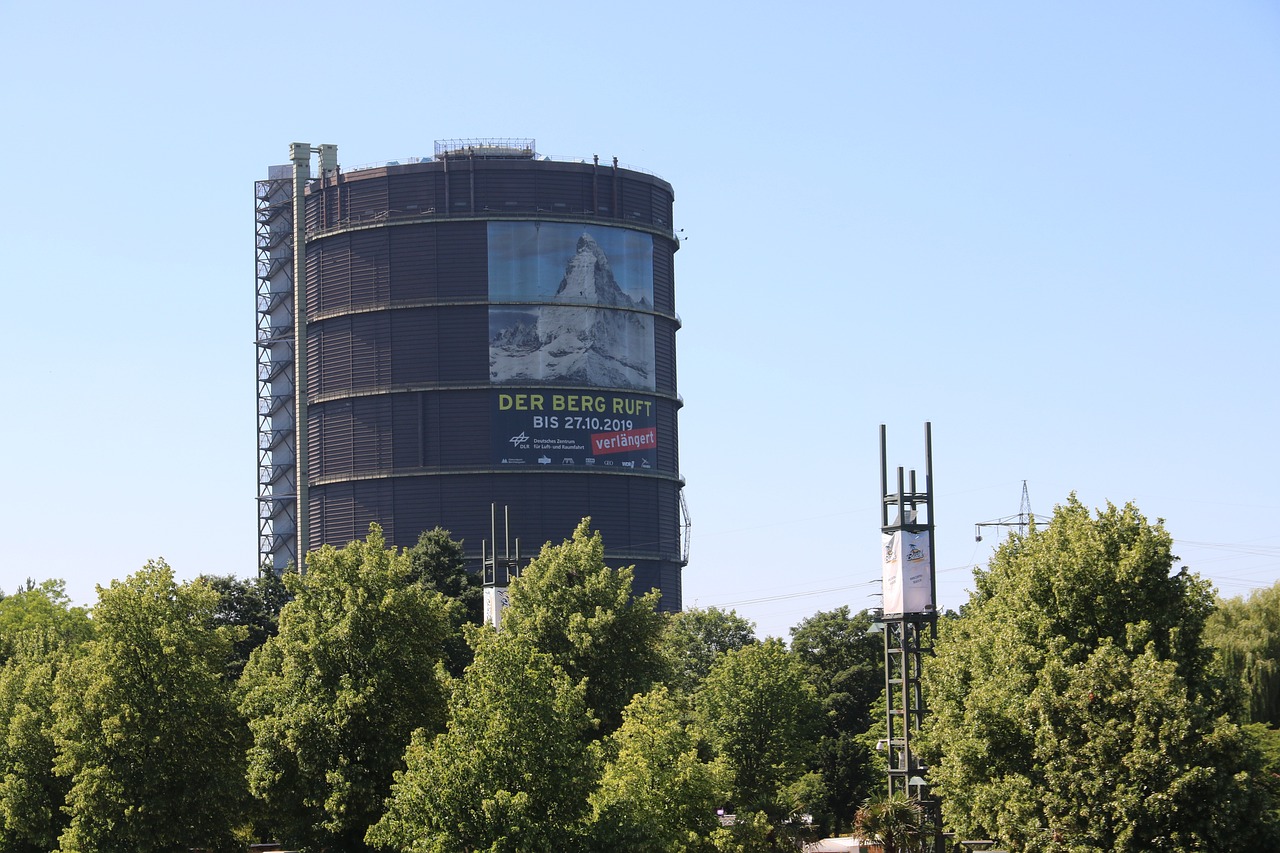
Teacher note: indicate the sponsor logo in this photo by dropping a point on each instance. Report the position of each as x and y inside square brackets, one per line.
[518, 440]
[544, 459]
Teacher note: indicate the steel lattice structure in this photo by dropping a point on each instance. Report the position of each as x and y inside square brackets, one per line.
[909, 631]
[277, 488]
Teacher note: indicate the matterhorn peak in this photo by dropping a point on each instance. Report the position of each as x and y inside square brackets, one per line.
[588, 277]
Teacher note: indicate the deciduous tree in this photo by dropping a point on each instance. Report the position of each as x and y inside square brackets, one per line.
[512, 770]
[438, 562]
[1074, 705]
[145, 727]
[570, 605]
[333, 698]
[845, 664]
[1245, 633]
[694, 639]
[31, 795]
[252, 605]
[761, 715]
[657, 793]
[46, 609]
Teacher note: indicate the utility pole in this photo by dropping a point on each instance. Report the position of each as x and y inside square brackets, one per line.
[1020, 522]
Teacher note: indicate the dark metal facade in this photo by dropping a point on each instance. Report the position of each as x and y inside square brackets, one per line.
[402, 419]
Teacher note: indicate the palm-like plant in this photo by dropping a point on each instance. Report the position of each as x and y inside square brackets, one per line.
[897, 822]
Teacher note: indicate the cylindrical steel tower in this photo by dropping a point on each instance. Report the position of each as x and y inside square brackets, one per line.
[487, 326]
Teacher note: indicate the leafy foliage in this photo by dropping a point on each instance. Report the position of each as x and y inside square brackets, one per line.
[844, 661]
[656, 792]
[145, 729]
[40, 630]
[693, 640]
[333, 698]
[31, 796]
[253, 606]
[1245, 633]
[761, 715]
[46, 609]
[570, 605]
[897, 822]
[512, 770]
[1074, 705]
[438, 563]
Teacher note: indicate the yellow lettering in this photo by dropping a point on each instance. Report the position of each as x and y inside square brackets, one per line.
[557, 402]
[535, 402]
[504, 402]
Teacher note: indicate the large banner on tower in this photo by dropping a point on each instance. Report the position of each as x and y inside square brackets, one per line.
[907, 574]
[542, 428]
[570, 305]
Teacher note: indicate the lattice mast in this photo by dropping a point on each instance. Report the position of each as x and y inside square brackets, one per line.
[910, 618]
[277, 487]
[280, 218]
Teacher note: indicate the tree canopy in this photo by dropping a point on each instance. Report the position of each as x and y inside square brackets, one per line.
[1245, 633]
[145, 726]
[438, 562]
[694, 639]
[1074, 705]
[572, 606]
[45, 608]
[656, 791]
[761, 715]
[512, 769]
[333, 698]
[844, 662]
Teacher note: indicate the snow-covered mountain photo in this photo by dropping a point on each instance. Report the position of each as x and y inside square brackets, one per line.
[591, 331]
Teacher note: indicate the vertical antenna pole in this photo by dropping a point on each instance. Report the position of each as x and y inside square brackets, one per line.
[884, 481]
[300, 155]
[928, 498]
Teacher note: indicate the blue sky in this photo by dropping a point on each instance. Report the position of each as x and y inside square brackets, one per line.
[1050, 229]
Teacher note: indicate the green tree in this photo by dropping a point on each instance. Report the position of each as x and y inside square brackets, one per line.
[512, 770]
[438, 562]
[333, 698]
[45, 608]
[253, 605]
[569, 604]
[145, 726]
[845, 664]
[39, 631]
[762, 716]
[897, 822]
[31, 795]
[694, 640]
[656, 792]
[1245, 634]
[1075, 705]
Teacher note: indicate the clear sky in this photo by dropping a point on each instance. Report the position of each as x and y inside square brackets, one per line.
[1051, 229]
